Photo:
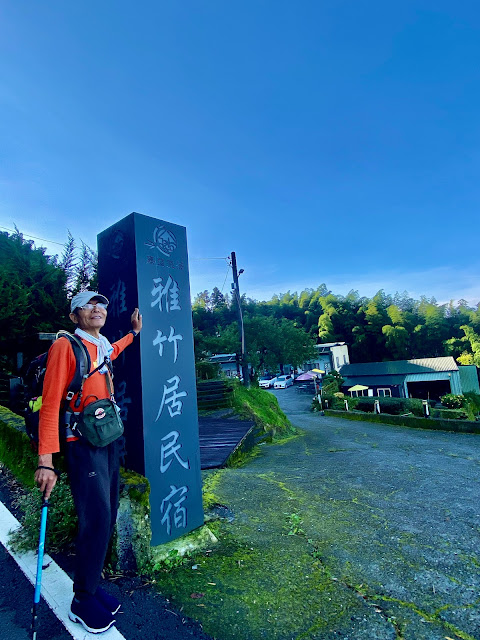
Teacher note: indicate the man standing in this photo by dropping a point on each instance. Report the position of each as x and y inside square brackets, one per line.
[93, 471]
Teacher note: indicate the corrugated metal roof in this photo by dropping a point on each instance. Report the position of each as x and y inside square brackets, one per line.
[399, 367]
[223, 357]
[446, 363]
[330, 344]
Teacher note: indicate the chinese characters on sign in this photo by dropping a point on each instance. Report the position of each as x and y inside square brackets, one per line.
[143, 262]
[161, 262]
[170, 398]
[165, 297]
[117, 299]
[175, 498]
[160, 339]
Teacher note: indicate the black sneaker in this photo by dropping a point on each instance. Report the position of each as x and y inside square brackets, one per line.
[108, 602]
[91, 615]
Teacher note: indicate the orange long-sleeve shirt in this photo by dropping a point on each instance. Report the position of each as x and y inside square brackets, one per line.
[58, 376]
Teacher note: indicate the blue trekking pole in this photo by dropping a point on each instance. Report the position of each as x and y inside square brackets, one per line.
[38, 580]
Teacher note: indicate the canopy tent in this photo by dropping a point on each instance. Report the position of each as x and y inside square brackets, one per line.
[310, 375]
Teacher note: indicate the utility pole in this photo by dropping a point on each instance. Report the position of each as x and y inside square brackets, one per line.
[236, 293]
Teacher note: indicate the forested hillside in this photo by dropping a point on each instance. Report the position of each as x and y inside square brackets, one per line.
[34, 288]
[385, 327]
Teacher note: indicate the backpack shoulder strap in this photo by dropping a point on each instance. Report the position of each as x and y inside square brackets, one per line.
[82, 364]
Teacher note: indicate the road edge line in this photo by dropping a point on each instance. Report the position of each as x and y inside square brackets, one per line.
[57, 587]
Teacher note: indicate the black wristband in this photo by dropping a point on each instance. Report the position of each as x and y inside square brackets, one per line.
[57, 472]
[134, 333]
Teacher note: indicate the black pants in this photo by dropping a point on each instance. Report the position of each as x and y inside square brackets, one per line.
[94, 481]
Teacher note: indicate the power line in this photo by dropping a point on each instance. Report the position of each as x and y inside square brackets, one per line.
[226, 275]
[34, 237]
[62, 244]
[223, 258]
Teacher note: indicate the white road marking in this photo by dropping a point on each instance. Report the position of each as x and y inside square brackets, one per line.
[57, 588]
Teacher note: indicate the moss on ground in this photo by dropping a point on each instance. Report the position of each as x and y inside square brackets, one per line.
[240, 591]
[266, 578]
[210, 480]
[286, 567]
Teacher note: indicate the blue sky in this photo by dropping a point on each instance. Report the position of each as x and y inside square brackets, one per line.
[324, 141]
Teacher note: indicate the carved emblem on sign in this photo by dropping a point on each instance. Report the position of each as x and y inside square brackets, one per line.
[163, 240]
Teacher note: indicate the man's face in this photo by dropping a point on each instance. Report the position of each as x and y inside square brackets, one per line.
[91, 319]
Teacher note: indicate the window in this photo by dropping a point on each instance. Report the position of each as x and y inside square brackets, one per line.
[384, 393]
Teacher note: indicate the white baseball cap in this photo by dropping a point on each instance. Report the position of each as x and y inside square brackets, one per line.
[83, 297]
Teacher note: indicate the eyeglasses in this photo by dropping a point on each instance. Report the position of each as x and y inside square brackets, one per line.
[89, 306]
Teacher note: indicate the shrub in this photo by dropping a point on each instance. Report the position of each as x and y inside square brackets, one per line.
[452, 401]
[451, 414]
[207, 370]
[352, 402]
[332, 402]
[474, 399]
[62, 519]
[392, 406]
[472, 404]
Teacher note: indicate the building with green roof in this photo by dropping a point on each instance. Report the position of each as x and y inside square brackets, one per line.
[426, 378]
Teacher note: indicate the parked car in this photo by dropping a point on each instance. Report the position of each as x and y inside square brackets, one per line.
[267, 381]
[282, 382]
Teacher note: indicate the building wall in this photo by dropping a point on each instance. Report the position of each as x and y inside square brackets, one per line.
[452, 376]
[469, 378]
[395, 390]
[339, 356]
[229, 369]
[335, 359]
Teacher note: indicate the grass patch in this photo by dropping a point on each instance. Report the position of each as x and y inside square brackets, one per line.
[15, 450]
[210, 480]
[62, 519]
[262, 407]
[17, 455]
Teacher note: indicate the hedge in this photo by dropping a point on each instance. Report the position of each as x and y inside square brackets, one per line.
[393, 406]
[461, 426]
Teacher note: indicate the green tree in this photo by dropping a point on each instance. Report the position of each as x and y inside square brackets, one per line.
[217, 299]
[202, 300]
[32, 295]
[86, 270]
[68, 263]
[473, 338]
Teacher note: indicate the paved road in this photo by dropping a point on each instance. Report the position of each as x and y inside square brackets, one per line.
[391, 516]
[146, 613]
[16, 595]
[386, 524]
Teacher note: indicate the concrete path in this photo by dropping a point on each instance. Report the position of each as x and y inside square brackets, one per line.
[384, 527]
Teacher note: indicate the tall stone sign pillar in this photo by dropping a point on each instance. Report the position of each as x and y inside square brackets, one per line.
[143, 262]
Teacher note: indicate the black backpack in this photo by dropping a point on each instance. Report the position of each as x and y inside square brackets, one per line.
[33, 384]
